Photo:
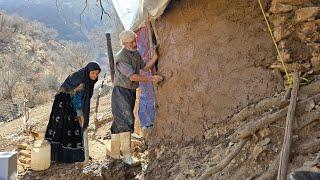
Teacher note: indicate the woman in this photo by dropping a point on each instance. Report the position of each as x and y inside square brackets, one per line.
[69, 116]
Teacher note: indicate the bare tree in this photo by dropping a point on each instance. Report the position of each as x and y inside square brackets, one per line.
[2, 21]
[76, 55]
[9, 80]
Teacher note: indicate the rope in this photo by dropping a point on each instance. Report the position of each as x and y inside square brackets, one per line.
[289, 77]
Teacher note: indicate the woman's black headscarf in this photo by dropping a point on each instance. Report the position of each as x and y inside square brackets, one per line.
[82, 76]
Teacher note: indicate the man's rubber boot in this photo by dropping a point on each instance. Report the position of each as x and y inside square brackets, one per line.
[115, 146]
[125, 139]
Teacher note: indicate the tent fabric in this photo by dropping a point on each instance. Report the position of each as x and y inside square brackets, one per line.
[147, 98]
[156, 7]
[129, 11]
[134, 15]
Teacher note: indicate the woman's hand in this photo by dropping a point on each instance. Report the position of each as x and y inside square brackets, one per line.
[81, 120]
[79, 88]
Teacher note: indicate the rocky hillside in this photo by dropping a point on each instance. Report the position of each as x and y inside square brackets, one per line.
[34, 62]
[64, 16]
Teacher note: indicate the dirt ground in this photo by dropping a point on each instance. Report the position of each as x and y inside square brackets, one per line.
[12, 133]
[190, 161]
[186, 161]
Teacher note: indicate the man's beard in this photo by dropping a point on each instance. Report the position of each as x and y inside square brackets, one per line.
[134, 49]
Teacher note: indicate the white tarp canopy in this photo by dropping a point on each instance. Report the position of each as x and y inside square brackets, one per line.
[133, 13]
[156, 7]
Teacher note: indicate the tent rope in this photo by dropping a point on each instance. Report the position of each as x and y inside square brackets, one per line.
[289, 78]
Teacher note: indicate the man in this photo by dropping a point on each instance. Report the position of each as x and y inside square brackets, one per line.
[128, 64]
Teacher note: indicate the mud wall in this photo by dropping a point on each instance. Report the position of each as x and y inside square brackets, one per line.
[213, 55]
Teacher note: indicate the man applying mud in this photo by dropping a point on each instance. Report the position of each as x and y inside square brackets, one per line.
[128, 64]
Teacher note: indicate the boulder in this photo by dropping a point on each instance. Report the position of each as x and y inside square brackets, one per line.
[281, 32]
[306, 14]
[280, 19]
[292, 2]
[23, 146]
[278, 8]
[315, 62]
[309, 32]
[285, 55]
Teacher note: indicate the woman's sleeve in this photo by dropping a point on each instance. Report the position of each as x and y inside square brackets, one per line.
[77, 102]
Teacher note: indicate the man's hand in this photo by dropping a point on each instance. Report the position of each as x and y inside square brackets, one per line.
[81, 120]
[153, 60]
[155, 56]
[156, 79]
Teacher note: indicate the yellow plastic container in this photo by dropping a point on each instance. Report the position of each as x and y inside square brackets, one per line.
[40, 155]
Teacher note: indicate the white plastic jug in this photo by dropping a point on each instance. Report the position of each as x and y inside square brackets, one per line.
[40, 155]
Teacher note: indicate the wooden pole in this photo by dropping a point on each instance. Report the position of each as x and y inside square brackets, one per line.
[110, 56]
[287, 141]
[96, 123]
[26, 114]
[86, 145]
